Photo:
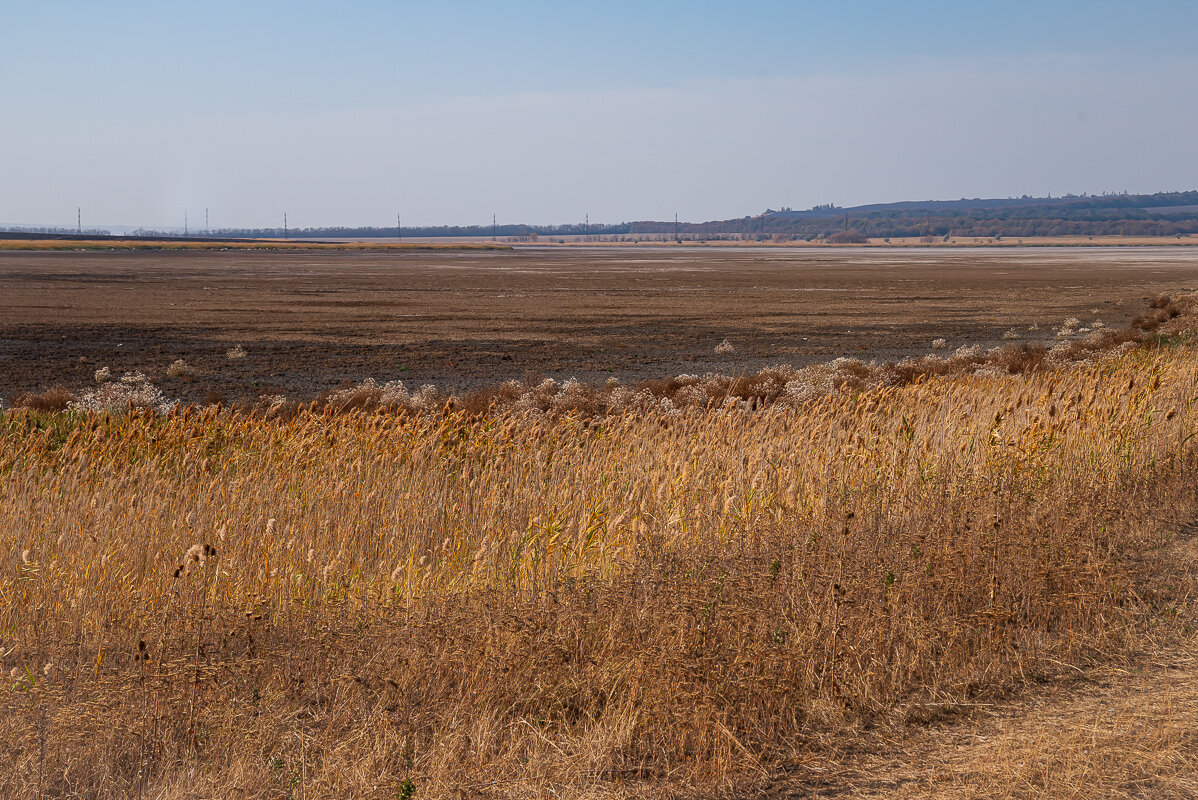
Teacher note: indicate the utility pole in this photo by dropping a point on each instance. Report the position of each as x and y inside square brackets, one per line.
[493, 228]
[677, 238]
[284, 224]
[185, 230]
[78, 221]
[586, 228]
[206, 228]
[398, 228]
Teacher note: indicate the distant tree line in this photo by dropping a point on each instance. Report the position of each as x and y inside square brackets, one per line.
[1016, 222]
[431, 231]
[1165, 214]
[52, 231]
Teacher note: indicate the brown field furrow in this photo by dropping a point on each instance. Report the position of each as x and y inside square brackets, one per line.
[462, 320]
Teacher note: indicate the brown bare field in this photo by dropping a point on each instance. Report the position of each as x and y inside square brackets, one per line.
[310, 321]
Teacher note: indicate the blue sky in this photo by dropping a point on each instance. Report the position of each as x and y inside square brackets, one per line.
[348, 113]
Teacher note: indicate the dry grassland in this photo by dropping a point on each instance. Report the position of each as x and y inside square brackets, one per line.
[685, 601]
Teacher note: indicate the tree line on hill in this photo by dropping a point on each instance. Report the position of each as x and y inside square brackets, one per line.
[1166, 214]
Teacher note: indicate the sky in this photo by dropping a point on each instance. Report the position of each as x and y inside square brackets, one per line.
[350, 113]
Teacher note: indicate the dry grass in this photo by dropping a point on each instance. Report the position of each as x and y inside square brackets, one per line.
[1124, 734]
[1137, 742]
[179, 369]
[335, 602]
[1119, 730]
[53, 399]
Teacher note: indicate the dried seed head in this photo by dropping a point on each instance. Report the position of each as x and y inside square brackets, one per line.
[196, 557]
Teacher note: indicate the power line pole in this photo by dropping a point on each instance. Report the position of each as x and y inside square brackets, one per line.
[398, 227]
[676, 237]
[586, 228]
[78, 221]
[185, 230]
[493, 228]
[284, 224]
[206, 228]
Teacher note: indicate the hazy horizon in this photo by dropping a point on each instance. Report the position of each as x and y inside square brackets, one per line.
[543, 114]
[196, 225]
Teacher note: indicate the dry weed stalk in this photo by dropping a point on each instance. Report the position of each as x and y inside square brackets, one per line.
[684, 594]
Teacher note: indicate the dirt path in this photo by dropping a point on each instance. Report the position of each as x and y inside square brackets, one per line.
[1112, 732]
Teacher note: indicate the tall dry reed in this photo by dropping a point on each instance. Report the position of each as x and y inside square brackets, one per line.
[368, 605]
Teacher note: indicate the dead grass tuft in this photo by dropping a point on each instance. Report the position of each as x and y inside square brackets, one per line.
[51, 400]
[179, 369]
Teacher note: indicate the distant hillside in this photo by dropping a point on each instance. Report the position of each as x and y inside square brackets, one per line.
[1160, 200]
[1161, 214]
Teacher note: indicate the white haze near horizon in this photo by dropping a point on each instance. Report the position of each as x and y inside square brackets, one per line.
[942, 129]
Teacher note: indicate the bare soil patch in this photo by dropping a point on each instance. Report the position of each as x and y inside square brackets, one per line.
[310, 321]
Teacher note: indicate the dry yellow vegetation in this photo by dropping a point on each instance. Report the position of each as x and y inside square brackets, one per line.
[692, 601]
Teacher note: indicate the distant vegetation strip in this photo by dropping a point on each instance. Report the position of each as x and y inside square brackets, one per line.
[1157, 215]
[1140, 215]
[118, 243]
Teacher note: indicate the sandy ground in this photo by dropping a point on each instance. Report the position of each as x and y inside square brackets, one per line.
[461, 319]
